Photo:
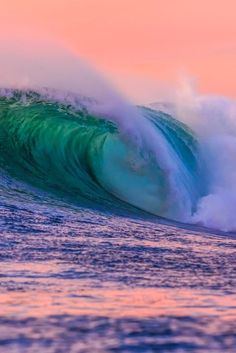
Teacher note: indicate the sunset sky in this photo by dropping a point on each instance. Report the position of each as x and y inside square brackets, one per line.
[139, 43]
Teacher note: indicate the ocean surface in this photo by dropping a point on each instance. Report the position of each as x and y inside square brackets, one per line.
[104, 245]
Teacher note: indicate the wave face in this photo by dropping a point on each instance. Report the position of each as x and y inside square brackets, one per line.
[69, 150]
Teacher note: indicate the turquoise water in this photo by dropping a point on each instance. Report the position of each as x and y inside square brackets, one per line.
[93, 255]
[66, 149]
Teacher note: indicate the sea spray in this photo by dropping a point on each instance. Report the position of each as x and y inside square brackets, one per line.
[139, 155]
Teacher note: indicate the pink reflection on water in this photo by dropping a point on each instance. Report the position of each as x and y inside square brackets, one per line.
[35, 290]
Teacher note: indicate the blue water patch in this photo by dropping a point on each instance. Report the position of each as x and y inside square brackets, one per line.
[88, 263]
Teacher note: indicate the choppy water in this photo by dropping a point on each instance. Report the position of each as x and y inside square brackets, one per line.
[76, 280]
[83, 270]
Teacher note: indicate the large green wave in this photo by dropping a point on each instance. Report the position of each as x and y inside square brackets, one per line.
[69, 151]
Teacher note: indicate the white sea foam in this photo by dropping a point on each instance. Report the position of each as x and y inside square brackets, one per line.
[213, 119]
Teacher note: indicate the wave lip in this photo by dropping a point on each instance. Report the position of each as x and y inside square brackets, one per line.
[64, 148]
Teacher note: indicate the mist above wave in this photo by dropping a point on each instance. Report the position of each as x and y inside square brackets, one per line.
[213, 120]
[25, 65]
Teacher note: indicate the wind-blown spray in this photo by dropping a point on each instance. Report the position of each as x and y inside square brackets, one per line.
[64, 128]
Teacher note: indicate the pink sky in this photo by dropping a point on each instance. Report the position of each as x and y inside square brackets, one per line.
[139, 41]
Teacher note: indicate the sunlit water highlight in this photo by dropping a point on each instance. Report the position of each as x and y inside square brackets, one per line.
[78, 280]
[92, 257]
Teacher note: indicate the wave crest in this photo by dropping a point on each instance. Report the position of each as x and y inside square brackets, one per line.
[66, 148]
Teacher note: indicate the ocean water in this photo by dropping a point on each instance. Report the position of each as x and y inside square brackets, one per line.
[77, 280]
[104, 245]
